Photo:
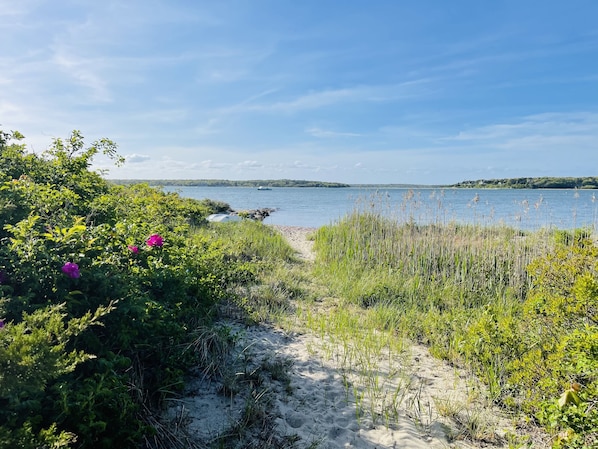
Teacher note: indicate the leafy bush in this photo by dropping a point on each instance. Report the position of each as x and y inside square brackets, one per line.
[35, 353]
[558, 372]
[101, 288]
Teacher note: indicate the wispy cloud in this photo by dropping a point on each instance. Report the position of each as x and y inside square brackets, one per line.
[211, 126]
[85, 72]
[328, 97]
[12, 8]
[162, 115]
[542, 128]
[318, 132]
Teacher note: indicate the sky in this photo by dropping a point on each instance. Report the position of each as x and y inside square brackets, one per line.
[353, 91]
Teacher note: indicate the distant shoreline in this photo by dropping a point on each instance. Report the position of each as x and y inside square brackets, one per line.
[506, 183]
[255, 183]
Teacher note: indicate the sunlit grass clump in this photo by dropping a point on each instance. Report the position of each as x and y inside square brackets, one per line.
[374, 260]
[518, 308]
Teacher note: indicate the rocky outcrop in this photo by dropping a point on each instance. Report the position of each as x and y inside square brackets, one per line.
[255, 214]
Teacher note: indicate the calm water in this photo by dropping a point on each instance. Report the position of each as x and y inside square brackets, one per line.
[314, 207]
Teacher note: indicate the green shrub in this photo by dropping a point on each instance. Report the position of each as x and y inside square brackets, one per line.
[67, 237]
[561, 334]
[36, 354]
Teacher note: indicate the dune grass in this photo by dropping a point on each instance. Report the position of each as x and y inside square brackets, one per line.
[517, 308]
[466, 291]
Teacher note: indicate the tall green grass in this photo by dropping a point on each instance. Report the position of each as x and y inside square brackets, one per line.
[488, 297]
[250, 240]
[277, 275]
[432, 283]
[372, 259]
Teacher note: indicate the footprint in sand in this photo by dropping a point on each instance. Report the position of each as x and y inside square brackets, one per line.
[294, 420]
[337, 432]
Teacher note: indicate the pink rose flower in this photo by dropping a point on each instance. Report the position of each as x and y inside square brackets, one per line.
[155, 240]
[71, 270]
[134, 249]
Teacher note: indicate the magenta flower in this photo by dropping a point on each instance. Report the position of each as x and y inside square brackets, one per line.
[155, 240]
[71, 270]
[2, 323]
[134, 249]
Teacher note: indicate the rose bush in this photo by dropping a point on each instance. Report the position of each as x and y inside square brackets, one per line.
[96, 325]
[155, 240]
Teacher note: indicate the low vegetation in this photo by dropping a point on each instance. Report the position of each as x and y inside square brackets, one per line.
[520, 309]
[105, 294]
[109, 295]
[588, 182]
[231, 183]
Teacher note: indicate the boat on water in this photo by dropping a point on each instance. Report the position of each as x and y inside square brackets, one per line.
[264, 188]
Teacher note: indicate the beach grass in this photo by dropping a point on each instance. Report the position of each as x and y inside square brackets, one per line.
[467, 291]
[380, 283]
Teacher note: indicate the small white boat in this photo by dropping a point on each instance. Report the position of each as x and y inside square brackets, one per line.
[221, 218]
[264, 188]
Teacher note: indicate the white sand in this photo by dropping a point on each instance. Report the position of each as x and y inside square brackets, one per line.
[321, 402]
[298, 238]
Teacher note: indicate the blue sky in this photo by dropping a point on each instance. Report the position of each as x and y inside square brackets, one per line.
[378, 91]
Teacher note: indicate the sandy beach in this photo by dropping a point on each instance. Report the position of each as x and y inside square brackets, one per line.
[320, 402]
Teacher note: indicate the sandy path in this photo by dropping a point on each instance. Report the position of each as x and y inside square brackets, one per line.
[322, 404]
[298, 238]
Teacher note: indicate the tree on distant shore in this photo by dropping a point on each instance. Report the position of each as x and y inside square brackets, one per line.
[532, 183]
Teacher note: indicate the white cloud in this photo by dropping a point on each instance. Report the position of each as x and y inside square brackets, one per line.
[299, 164]
[250, 164]
[137, 158]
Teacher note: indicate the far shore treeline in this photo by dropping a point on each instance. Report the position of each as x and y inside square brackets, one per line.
[229, 183]
[589, 182]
